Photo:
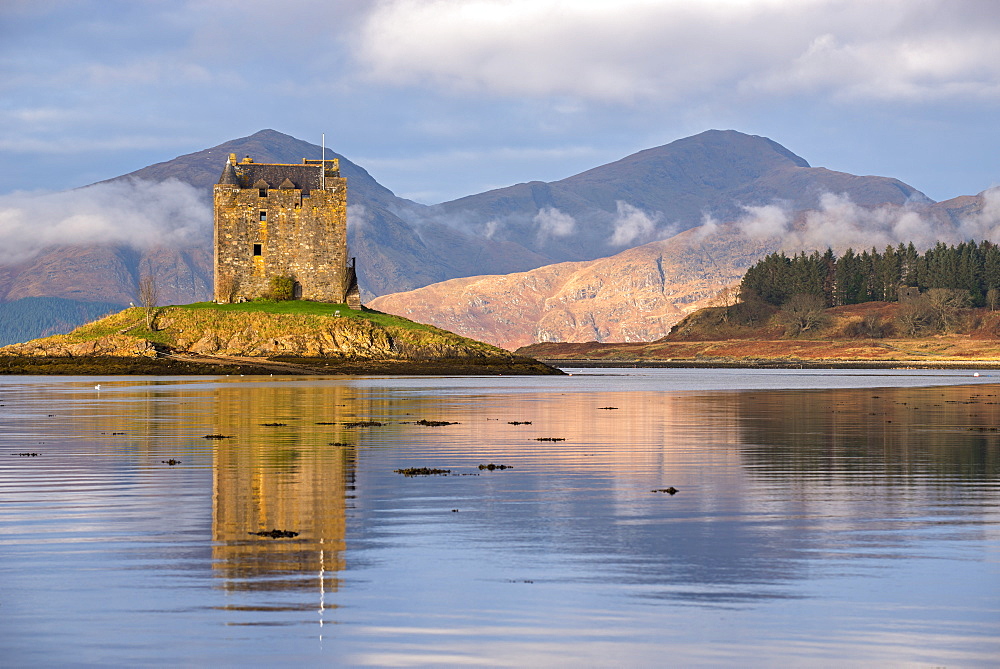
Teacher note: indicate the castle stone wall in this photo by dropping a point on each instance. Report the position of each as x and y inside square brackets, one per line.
[299, 232]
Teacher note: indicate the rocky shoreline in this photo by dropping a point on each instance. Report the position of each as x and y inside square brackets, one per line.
[184, 365]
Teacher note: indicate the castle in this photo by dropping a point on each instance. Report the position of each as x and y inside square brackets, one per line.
[278, 222]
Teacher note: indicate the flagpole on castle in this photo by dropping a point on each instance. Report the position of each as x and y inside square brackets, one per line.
[322, 179]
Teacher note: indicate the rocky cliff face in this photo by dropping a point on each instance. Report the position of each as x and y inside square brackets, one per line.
[636, 295]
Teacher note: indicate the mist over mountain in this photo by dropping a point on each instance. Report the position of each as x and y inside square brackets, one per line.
[640, 293]
[659, 192]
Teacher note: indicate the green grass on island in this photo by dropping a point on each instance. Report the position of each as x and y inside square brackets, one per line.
[303, 307]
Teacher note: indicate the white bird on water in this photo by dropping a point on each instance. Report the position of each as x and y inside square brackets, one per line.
[97, 387]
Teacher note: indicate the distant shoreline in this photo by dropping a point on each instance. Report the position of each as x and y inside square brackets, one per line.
[773, 364]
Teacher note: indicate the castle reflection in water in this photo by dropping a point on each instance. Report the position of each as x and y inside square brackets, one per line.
[292, 477]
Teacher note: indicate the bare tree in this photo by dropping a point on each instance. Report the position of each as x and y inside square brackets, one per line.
[803, 313]
[149, 297]
[947, 304]
[937, 310]
[993, 298]
[916, 317]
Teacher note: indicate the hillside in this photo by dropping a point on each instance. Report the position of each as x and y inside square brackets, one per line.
[635, 295]
[287, 331]
[33, 317]
[860, 335]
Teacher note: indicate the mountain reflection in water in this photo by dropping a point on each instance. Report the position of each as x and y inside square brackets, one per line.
[808, 526]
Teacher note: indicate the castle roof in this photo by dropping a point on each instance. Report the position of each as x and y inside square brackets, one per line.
[306, 176]
[229, 175]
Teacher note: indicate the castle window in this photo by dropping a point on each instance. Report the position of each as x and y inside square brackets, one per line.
[258, 250]
[262, 192]
[263, 216]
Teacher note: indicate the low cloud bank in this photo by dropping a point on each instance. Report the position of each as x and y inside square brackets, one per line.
[138, 213]
[358, 216]
[840, 223]
[634, 226]
[553, 224]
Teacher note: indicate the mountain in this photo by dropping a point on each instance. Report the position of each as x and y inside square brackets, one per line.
[639, 294]
[402, 245]
[663, 190]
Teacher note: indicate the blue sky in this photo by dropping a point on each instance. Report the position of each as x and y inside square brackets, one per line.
[444, 98]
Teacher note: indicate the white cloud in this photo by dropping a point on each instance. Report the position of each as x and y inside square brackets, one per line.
[631, 50]
[634, 226]
[491, 228]
[358, 216]
[984, 224]
[839, 223]
[925, 67]
[141, 214]
[553, 223]
[708, 228]
[764, 222]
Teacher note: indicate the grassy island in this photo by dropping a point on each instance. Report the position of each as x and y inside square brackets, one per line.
[291, 337]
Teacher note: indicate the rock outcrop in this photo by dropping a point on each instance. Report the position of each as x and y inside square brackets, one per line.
[116, 345]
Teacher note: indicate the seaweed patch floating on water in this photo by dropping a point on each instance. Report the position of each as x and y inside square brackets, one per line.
[363, 423]
[217, 436]
[274, 424]
[171, 462]
[519, 422]
[433, 423]
[607, 407]
[339, 443]
[492, 467]
[325, 423]
[550, 439]
[670, 491]
[422, 471]
[26, 455]
[276, 534]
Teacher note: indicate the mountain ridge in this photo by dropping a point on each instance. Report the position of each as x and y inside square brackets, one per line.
[403, 245]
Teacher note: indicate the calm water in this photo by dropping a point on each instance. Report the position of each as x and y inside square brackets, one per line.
[820, 518]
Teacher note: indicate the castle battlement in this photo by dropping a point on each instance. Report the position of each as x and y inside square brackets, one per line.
[274, 219]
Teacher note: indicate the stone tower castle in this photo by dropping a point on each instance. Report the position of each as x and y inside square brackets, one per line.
[276, 220]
